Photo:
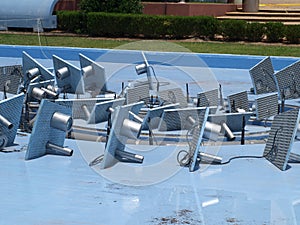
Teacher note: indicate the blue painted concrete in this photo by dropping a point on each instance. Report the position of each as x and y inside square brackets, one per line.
[211, 60]
[65, 190]
[229, 70]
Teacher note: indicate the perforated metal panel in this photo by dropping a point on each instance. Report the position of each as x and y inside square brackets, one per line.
[208, 98]
[11, 109]
[178, 119]
[197, 137]
[262, 75]
[172, 96]
[238, 101]
[288, 80]
[29, 63]
[136, 94]
[95, 80]
[74, 82]
[281, 138]
[76, 105]
[153, 116]
[116, 141]
[100, 112]
[10, 78]
[43, 133]
[266, 106]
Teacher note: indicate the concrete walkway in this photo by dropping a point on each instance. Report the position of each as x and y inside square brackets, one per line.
[279, 4]
[285, 11]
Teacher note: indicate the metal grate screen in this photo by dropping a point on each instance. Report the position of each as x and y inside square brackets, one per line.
[73, 81]
[208, 98]
[266, 106]
[288, 80]
[43, 133]
[262, 75]
[238, 101]
[281, 138]
[172, 96]
[11, 109]
[178, 119]
[136, 94]
[10, 78]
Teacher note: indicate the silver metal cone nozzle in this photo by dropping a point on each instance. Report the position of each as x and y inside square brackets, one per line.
[87, 71]
[53, 88]
[50, 93]
[141, 68]
[32, 73]
[110, 109]
[38, 93]
[58, 150]
[61, 121]
[210, 159]
[212, 131]
[191, 120]
[86, 111]
[62, 73]
[6, 123]
[131, 129]
[228, 132]
[130, 157]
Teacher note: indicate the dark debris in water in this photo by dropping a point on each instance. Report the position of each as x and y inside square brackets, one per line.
[182, 217]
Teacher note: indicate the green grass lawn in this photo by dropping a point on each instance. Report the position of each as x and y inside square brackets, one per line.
[244, 48]
[159, 45]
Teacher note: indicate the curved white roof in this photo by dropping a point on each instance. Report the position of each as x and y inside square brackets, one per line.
[21, 13]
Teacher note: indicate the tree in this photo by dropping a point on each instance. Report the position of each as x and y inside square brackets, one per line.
[116, 6]
[92, 5]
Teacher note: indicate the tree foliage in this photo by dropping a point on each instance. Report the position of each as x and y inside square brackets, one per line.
[114, 6]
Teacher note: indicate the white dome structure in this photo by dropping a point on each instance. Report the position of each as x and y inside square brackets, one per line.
[36, 14]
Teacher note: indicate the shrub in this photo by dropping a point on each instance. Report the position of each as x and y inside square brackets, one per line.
[179, 26]
[104, 24]
[254, 31]
[292, 34]
[125, 6]
[114, 6]
[152, 26]
[72, 21]
[92, 5]
[206, 26]
[233, 30]
[274, 31]
[116, 25]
